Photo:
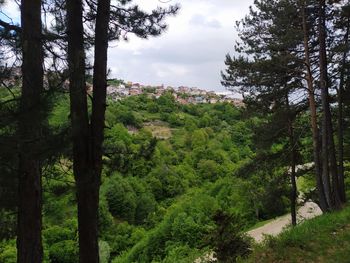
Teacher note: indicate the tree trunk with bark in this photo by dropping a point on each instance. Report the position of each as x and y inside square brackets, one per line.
[341, 116]
[329, 164]
[88, 137]
[98, 108]
[29, 225]
[313, 115]
[293, 197]
[88, 247]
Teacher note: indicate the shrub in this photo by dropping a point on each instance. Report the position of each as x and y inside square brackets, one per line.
[64, 252]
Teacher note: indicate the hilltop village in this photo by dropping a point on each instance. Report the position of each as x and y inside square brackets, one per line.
[184, 95]
[119, 89]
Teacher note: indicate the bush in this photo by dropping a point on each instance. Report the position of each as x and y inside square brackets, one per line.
[64, 252]
[104, 251]
[227, 241]
[8, 252]
[55, 234]
[121, 198]
[188, 222]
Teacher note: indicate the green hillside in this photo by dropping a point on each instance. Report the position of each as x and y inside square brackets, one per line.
[169, 171]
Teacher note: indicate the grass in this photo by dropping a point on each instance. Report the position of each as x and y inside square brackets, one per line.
[158, 130]
[322, 239]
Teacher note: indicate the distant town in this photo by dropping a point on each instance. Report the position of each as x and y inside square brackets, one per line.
[118, 89]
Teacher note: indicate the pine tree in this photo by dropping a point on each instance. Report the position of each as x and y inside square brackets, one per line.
[280, 37]
[88, 134]
[268, 71]
[29, 241]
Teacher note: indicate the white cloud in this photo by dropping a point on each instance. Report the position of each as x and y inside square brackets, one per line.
[10, 12]
[191, 52]
[202, 21]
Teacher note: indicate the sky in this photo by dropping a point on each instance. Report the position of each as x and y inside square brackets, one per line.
[190, 53]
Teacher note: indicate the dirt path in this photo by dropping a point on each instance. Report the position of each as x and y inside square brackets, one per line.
[307, 211]
[273, 228]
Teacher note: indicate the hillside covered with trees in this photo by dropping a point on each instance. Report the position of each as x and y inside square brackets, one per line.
[85, 177]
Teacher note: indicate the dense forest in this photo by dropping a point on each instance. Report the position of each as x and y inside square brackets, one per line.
[169, 170]
[88, 178]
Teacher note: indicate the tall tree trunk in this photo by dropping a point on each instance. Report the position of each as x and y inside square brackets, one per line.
[293, 197]
[98, 109]
[88, 139]
[313, 112]
[84, 177]
[329, 164]
[341, 117]
[29, 242]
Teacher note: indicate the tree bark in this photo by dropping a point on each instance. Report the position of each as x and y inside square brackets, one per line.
[313, 116]
[341, 117]
[329, 164]
[293, 175]
[88, 246]
[100, 85]
[88, 138]
[98, 111]
[29, 225]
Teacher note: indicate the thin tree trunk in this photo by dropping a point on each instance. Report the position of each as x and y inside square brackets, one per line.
[29, 242]
[88, 247]
[312, 104]
[100, 85]
[340, 117]
[293, 175]
[98, 115]
[293, 157]
[329, 168]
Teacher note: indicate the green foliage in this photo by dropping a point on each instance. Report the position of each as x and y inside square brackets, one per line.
[8, 252]
[65, 251]
[167, 103]
[199, 138]
[104, 251]
[61, 242]
[118, 112]
[121, 237]
[56, 234]
[127, 200]
[168, 184]
[120, 197]
[105, 218]
[227, 240]
[59, 195]
[209, 169]
[187, 222]
[159, 196]
[7, 224]
[178, 253]
[59, 116]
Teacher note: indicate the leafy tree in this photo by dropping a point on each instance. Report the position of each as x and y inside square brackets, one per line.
[121, 198]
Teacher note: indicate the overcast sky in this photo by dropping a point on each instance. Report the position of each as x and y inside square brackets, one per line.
[190, 53]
